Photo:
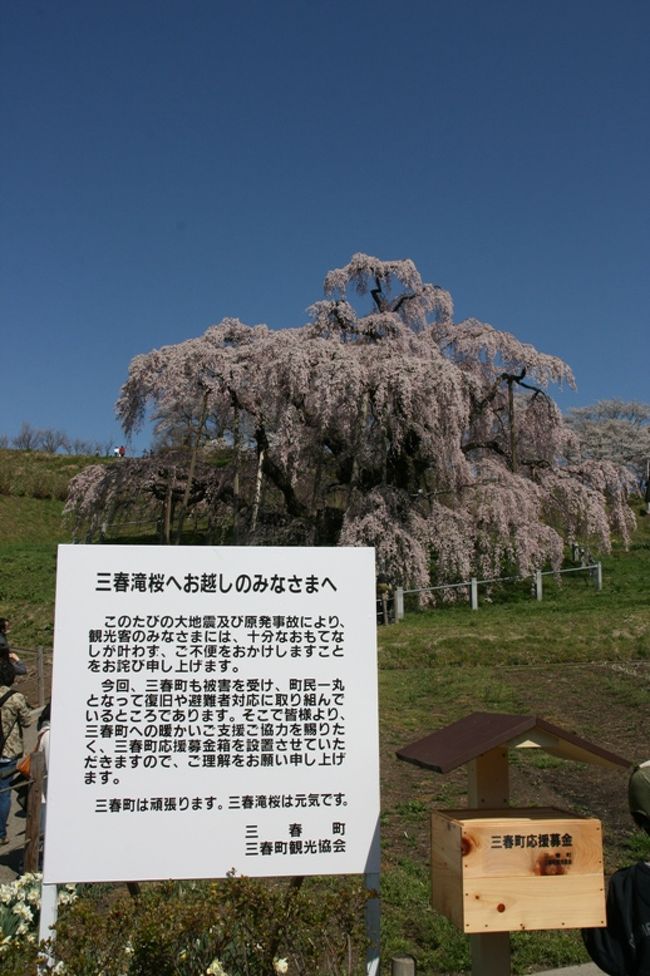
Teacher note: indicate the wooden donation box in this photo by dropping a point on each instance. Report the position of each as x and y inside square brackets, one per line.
[497, 868]
[509, 869]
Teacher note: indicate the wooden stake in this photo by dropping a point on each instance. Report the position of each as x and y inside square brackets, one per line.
[489, 787]
[33, 822]
[40, 675]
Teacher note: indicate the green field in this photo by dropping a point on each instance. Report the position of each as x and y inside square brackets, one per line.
[580, 659]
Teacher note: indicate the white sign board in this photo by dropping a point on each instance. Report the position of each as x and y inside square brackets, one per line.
[213, 710]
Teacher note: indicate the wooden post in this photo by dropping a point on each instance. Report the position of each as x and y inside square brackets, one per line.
[538, 585]
[33, 822]
[489, 780]
[473, 593]
[598, 577]
[402, 966]
[384, 607]
[489, 787]
[373, 923]
[40, 675]
[399, 603]
[490, 954]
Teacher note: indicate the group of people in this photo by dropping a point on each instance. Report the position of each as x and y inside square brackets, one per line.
[15, 716]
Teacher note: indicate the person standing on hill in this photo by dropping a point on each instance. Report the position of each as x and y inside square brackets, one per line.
[14, 717]
[623, 947]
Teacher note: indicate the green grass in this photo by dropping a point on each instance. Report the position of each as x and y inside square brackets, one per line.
[573, 623]
[580, 659]
[28, 521]
[33, 488]
[29, 532]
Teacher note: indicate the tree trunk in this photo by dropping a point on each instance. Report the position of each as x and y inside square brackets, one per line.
[190, 474]
[316, 498]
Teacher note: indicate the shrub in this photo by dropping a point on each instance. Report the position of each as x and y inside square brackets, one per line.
[235, 927]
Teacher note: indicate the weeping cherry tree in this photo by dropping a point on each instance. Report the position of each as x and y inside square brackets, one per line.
[389, 425]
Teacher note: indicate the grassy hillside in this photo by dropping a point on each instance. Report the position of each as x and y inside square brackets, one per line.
[33, 474]
[32, 489]
[580, 659]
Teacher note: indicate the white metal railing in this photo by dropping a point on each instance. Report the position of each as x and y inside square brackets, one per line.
[595, 570]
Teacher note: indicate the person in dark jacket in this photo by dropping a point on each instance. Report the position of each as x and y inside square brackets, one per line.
[623, 947]
[5, 650]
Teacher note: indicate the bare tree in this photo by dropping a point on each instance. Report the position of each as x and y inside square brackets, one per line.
[51, 440]
[81, 447]
[27, 439]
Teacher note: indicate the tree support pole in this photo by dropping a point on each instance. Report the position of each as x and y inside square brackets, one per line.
[258, 490]
[513, 433]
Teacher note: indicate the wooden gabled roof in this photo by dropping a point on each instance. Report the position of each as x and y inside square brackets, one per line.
[478, 733]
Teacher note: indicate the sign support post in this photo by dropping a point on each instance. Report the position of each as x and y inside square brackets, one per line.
[489, 787]
[49, 914]
[373, 923]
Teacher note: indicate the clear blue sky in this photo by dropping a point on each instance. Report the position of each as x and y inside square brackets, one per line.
[165, 164]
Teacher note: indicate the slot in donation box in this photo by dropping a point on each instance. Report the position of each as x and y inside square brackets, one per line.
[517, 868]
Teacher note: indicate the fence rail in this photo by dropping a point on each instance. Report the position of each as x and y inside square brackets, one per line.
[595, 570]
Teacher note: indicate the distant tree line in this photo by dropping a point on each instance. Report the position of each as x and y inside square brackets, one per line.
[53, 441]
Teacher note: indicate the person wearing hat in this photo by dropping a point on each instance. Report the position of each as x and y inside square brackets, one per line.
[623, 947]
